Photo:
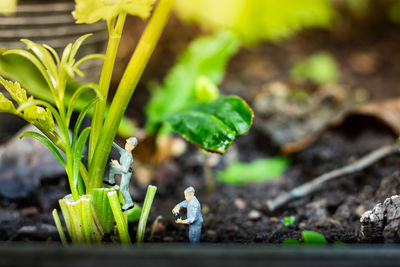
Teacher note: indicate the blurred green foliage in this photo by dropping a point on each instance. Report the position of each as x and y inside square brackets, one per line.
[7, 7]
[320, 68]
[309, 238]
[288, 221]
[205, 57]
[259, 170]
[257, 20]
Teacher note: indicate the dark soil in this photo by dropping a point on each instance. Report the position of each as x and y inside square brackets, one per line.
[239, 214]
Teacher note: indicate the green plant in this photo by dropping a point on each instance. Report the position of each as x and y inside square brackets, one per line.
[18, 68]
[289, 221]
[91, 208]
[240, 173]
[309, 238]
[320, 68]
[257, 20]
[189, 101]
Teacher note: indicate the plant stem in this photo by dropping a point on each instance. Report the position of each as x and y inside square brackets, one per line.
[119, 217]
[59, 227]
[126, 88]
[102, 207]
[148, 201]
[105, 80]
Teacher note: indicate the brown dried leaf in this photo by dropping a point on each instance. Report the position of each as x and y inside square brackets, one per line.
[387, 111]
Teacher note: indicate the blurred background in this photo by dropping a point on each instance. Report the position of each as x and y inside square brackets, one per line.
[322, 77]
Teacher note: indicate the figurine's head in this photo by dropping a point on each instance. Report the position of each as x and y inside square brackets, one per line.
[189, 193]
[131, 143]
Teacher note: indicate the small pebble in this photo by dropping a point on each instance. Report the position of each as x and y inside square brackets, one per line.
[254, 215]
[240, 203]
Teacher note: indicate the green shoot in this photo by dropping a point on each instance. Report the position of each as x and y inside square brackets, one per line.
[289, 221]
[119, 217]
[151, 191]
[309, 238]
[59, 227]
[240, 173]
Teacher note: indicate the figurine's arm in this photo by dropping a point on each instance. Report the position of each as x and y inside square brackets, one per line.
[116, 163]
[178, 206]
[117, 147]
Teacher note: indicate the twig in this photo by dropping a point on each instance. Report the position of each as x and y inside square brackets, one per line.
[316, 183]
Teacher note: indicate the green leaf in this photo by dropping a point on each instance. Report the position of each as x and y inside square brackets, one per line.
[44, 56]
[320, 68]
[31, 112]
[20, 69]
[6, 105]
[30, 103]
[313, 238]
[257, 20]
[15, 90]
[91, 11]
[80, 144]
[76, 95]
[134, 214]
[241, 173]
[81, 117]
[204, 57]
[39, 66]
[288, 221]
[47, 143]
[212, 125]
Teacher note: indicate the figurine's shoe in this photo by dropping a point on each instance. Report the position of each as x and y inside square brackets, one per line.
[108, 183]
[126, 207]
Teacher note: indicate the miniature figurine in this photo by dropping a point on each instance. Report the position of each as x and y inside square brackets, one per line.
[194, 217]
[124, 168]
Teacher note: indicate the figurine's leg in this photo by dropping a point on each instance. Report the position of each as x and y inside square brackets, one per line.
[124, 188]
[110, 180]
[194, 233]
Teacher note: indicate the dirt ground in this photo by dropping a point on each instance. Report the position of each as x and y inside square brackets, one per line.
[239, 214]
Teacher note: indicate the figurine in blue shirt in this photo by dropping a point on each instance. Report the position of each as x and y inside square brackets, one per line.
[124, 168]
[194, 217]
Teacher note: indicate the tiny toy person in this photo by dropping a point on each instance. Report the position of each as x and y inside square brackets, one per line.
[124, 168]
[194, 217]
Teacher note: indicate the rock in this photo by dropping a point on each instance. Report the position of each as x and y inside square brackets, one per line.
[360, 210]
[23, 163]
[254, 215]
[382, 222]
[240, 203]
